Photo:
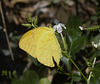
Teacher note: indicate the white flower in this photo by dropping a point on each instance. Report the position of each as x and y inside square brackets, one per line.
[95, 45]
[81, 28]
[59, 27]
[99, 44]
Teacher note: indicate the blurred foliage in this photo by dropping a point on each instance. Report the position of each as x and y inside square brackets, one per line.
[28, 77]
[74, 38]
[33, 23]
[76, 77]
[44, 81]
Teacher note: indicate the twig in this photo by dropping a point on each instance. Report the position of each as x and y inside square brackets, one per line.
[28, 65]
[5, 30]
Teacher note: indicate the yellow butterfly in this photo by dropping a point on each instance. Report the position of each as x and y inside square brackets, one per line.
[41, 43]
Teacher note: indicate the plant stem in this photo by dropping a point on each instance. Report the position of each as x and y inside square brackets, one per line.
[64, 43]
[75, 65]
[88, 80]
[71, 81]
[65, 46]
[93, 28]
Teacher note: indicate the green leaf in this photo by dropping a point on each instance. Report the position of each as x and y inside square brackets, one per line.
[14, 74]
[10, 74]
[97, 39]
[44, 81]
[88, 23]
[7, 73]
[30, 19]
[36, 20]
[73, 24]
[26, 25]
[76, 77]
[60, 69]
[34, 60]
[74, 38]
[77, 45]
[94, 18]
[96, 75]
[66, 61]
[28, 77]
[4, 73]
[95, 54]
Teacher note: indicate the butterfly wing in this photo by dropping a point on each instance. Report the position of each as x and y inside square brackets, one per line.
[28, 42]
[47, 49]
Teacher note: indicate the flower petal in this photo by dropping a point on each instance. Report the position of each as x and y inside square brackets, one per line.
[59, 28]
[55, 27]
[81, 28]
[62, 25]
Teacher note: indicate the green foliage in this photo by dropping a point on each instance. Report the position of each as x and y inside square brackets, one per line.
[66, 63]
[97, 39]
[76, 77]
[44, 81]
[77, 45]
[28, 77]
[96, 75]
[4, 73]
[30, 19]
[14, 74]
[62, 71]
[9, 74]
[75, 40]
[36, 20]
[32, 23]
[94, 18]
[34, 60]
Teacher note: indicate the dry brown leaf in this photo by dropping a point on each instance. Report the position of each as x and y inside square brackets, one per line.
[62, 15]
[15, 18]
[26, 11]
[13, 2]
[6, 2]
[41, 4]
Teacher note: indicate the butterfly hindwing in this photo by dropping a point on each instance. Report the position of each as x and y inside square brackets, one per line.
[47, 49]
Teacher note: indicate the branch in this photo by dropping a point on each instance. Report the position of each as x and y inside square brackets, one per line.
[5, 30]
